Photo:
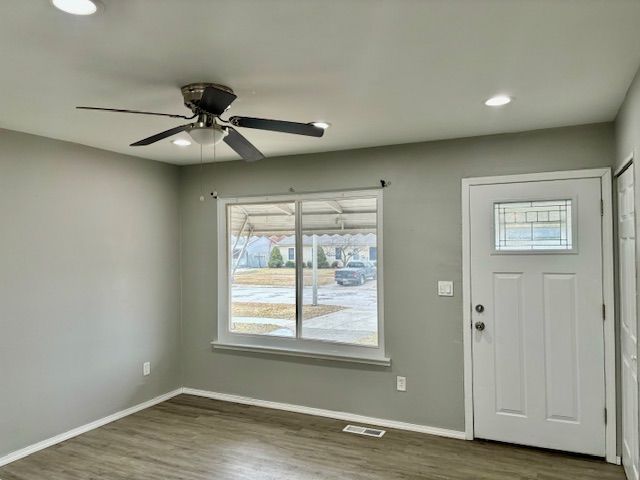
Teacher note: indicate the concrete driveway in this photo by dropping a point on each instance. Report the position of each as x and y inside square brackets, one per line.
[356, 324]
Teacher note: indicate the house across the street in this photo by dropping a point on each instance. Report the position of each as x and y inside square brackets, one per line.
[337, 248]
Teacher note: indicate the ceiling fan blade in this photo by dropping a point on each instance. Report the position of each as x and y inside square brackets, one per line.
[121, 110]
[159, 136]
[215, 100]
[278, 126]
[242, 146]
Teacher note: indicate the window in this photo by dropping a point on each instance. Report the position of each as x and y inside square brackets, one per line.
[305, 304]
[533, 226]
[252, 286]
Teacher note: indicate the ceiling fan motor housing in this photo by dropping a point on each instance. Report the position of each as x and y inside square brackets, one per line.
[192, 93]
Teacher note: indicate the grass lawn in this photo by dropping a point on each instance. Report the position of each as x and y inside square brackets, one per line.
[280, 310]
[281, 277]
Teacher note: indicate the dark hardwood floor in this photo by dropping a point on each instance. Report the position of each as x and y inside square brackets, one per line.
[192, 438]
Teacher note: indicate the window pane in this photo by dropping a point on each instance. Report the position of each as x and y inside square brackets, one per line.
[528, 226]
[262, 269]
[340, 295]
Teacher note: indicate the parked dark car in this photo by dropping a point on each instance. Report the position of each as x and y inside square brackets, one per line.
[356, 272]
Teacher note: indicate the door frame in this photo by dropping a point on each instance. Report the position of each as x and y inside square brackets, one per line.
[604, 174]
[626, 163]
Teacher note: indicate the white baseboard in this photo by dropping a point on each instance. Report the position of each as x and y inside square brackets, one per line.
[23, 452]
[319, 412]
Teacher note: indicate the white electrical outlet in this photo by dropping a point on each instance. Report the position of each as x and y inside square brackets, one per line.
[401, 384]
[146, 368]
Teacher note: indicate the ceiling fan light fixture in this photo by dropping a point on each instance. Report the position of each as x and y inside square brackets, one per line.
[322, 125]
[207, 135]
[181, 142]
[76, 7]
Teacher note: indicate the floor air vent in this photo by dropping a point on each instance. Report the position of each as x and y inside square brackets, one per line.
[370, 432]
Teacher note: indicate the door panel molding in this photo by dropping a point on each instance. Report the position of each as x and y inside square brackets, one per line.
[560, 343]
[510, 370]
[604, 174]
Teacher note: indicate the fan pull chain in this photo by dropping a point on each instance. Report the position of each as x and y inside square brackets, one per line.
[201, 186]
[214, 152]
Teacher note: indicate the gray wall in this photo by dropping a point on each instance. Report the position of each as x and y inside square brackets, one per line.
[90, 276]
[627, 126]
[89, 285]
[422, 213]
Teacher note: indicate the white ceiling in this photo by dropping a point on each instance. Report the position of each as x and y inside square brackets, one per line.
[382, 72]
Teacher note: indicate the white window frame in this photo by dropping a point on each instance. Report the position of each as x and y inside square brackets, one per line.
[297, 346]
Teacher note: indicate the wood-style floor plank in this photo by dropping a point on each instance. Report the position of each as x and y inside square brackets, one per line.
[192, 438]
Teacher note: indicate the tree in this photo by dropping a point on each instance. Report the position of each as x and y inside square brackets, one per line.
[348, 248]
[275, 259]
[322, 258]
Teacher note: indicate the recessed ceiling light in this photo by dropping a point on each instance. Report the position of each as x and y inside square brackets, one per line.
[498, 101]
[322, 125]
[181, 142]
[76, 7]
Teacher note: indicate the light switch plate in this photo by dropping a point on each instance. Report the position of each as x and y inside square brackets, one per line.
[146, 368]
[445, 288]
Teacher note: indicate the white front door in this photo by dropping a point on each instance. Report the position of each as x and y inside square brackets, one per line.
[537, 297]
[628, 323]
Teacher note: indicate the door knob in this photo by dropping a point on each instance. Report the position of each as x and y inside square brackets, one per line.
[479, 326]
[479, 308]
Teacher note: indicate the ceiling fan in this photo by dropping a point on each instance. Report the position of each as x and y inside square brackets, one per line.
[208, 101]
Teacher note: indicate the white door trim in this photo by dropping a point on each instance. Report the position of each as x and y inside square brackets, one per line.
[627, 162]
[604, 174]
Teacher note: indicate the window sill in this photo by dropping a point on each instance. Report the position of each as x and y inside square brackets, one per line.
[380, 361]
